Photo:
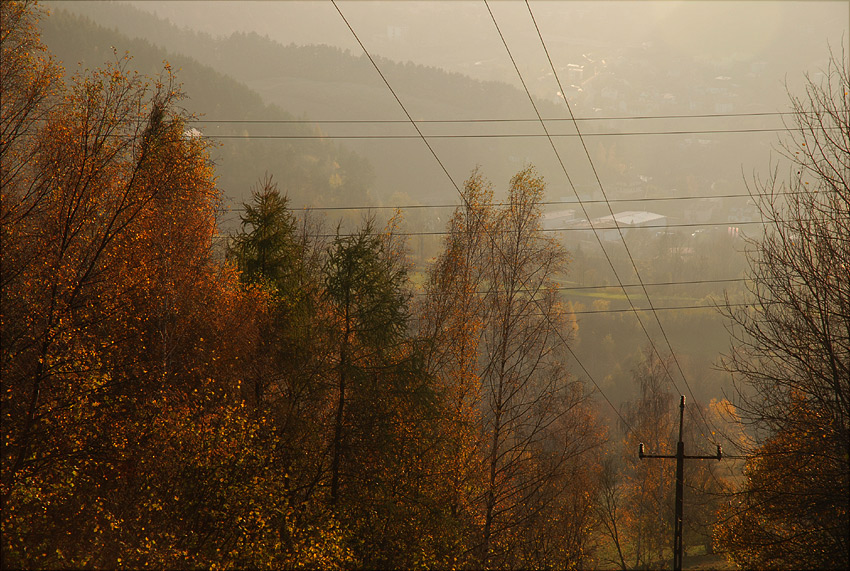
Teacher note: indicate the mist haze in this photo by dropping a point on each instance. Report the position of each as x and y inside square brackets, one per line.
[676, 102]
[431, 284]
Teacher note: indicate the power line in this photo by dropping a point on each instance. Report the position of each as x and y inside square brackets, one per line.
[656, 284]
[637, 309]
[487, 120]
[625, 245]
[592, 165]
[542, 203]
[666, 308]
[566, 174]
[398, 100]
[586, 228]
[493, 135]
[604, 195]
[448, 175]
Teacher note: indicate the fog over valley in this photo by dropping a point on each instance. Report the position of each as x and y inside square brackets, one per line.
[676, 103]
[425, 274]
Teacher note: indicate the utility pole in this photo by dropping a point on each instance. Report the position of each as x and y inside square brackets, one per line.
[680, 484]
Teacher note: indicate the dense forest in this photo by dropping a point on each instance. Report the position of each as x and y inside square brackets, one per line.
[312, 398]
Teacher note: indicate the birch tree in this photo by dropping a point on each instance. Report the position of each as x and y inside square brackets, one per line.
[790, 355]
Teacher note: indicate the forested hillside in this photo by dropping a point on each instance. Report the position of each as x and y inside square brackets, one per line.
[316, 172]
[291, 406]
[317, 396]
[322, 82]
[325, 83]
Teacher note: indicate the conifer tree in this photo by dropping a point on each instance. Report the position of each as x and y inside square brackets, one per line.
[266, 249]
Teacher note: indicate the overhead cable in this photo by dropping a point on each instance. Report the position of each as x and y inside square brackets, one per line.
[457, 188]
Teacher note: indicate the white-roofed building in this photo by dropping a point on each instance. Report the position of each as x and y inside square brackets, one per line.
[559, 219]
[627, 220]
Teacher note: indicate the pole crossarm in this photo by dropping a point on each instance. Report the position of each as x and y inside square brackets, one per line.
[680, 457]
[718, 456]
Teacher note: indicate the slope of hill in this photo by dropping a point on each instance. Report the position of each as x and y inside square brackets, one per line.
[324, 83]
[317, 172]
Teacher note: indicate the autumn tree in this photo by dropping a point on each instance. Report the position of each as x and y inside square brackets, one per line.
[351, 411]
[30, 83]
[648, 486]
[526, 389]
[492, 293]
[383, 403]
[791, 347]
[84, 190]
[451, 322]
[124, 438]
[636, 497]
[159, 410]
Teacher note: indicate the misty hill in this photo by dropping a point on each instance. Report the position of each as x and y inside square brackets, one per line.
[320, 82]
[252, 59]
[319, 172]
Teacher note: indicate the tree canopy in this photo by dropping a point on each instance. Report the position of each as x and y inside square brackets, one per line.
[791, 347]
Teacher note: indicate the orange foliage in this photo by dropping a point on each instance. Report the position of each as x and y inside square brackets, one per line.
[122, 338]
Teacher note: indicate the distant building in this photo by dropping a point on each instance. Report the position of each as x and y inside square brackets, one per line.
[575, 73]
[607, 225]
[396, 32]
[559, 219]
[192, 133]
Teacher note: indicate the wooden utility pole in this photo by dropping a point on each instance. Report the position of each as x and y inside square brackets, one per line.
[680, 484]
